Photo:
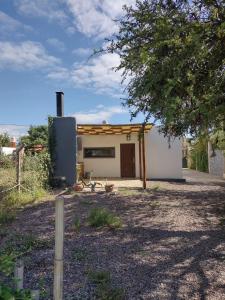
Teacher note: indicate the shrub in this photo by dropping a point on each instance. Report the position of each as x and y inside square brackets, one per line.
[6, 161]
[76, 224]
[98, 277]
[99, 217]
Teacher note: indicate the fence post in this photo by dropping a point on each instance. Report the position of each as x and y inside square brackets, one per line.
[18, 274]
[59, 238]
[19, 153]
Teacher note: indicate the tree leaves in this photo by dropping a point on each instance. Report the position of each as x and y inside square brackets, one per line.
[172, 54]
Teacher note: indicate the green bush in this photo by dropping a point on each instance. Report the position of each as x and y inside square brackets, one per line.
[99, 217]
[7, 161]
[199, 155]
[36, 170]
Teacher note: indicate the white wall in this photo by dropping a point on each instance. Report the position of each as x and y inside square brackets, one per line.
[163, 162]
[107, 167]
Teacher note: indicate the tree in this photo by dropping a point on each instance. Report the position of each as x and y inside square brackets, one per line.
[173, 60]
[36, 135]
[4, 140]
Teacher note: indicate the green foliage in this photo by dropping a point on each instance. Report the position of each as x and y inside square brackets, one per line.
[99, 217]
[4, 140]
[98, 277]
[36, 169]
[104, 290]
[37, 135]
[6, 215]
[8, 293]
[172, 58]
[217, 139]
[199, 155]
[7, 264]
[6, 161]
[80, 254]
[76, 224]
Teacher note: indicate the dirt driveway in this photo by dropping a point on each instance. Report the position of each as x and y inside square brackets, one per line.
[171, 245]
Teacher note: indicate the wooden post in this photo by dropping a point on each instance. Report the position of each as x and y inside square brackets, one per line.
[19, 153]
[59, 238]
[18, 274]
[143, 157]
[140, 162]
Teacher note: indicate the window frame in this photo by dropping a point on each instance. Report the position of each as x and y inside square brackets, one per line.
[98, 148]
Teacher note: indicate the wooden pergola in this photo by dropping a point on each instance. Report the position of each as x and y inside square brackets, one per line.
[109, 129]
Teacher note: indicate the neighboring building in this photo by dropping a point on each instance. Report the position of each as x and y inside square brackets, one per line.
[117, 151]
[7, 150]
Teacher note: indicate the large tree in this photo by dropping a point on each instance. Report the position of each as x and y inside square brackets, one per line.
[173, 57]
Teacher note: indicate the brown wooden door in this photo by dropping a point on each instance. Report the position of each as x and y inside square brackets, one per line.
[127, 160]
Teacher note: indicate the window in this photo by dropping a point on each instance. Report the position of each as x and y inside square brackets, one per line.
[105, 152]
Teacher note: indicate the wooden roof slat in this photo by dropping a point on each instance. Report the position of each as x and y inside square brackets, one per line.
[97, 129]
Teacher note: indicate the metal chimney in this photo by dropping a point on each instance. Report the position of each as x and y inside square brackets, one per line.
[60, 104]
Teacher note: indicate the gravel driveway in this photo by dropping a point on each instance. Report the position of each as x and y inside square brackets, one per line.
[171, 245]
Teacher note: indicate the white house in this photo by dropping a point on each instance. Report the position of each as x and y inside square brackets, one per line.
[124, 151]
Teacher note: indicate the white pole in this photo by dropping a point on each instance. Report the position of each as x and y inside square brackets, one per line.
[59, 237]
[19, 269]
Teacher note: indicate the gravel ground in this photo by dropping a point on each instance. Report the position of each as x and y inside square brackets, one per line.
[171, 245]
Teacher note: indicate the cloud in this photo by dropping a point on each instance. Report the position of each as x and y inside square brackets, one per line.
[14, 130]
[25, 55]
[95, 18]
[102, 113]
[98, 74]
[42, 8]
[9, 24]
[59, 73]
[82, 51]
[57, 44]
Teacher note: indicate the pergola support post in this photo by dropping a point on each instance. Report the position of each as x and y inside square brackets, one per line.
[143, 157]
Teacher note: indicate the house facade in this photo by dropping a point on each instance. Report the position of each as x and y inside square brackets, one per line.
[128, 151]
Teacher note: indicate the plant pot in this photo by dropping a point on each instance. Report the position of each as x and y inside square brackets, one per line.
[78, 187]
[109, 188]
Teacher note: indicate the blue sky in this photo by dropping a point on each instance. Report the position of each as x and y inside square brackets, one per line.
[45, 47]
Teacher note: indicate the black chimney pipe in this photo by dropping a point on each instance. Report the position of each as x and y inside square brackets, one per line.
[60, 104]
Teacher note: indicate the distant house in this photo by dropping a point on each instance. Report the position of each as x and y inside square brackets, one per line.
[7, 150]
[107, 150]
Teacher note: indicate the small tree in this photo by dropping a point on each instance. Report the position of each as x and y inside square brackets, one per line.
[4, 140]
[36, 135]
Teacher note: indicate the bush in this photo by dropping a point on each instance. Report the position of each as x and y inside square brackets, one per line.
[7, 161]
[37, 165]
[101, 217]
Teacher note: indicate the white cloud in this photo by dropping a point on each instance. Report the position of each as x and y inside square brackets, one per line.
[59, 73]
[95, 18]
[14, 130]
[25, 55]
[102, 113]
[42, 8]
[98, 74]
[57, 44]
[82, 51]
[9, 24]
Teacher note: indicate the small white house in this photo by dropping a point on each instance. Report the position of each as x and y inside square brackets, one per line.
[124, 151]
